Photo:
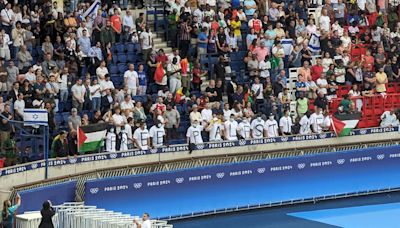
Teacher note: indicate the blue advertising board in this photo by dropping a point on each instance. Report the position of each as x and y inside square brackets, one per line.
[182, 148]
[249, 183]
[32, 199]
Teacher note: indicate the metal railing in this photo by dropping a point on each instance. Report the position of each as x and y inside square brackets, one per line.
[78, 215]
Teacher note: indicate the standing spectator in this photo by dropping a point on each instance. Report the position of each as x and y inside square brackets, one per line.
[107, 34]
[131, 80]
[193, 134]
[271, 126]
[141, 136]
[7, 18]
[142, 80]
[96, 95]
[174, 73]
[381, 80]
[184, 38]
[157, 135]
[340, 10]
[4, 46]
[146, 43]
[172, 117]
[74, 120]
[305, 124]
[78, 95]
[60, 146]
[24, 59]
[285, 123]
[128, 25]
[316, 121]
[13, 73]
[257, 127]
[116, 24]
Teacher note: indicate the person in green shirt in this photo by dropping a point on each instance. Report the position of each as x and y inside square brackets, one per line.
[302, 105]
[345, 103]
[11, 151]
[172, 27]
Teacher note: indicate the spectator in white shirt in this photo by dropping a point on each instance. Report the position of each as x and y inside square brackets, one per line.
[101, 71]
[146, 221]
[78, 95]
[193, 134]
[128, 25]
[257, 127]
[271, 126]
[19, 106]
[131, 79]
[305, 124]
[206, 115]
[7, 18]
[127, 104]
[317, 120]
[389, 119]
[141, 137]
[106, 85]
[285, 123]
[96, 95]
[4, 46]
[257, 89]
[322, 84]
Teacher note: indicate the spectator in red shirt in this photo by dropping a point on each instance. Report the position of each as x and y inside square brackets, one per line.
[161, 56]
[116, 24]
[316, 70]
[255, 23]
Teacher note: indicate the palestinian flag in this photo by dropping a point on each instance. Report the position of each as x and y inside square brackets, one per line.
[91, 137]
[343, 125]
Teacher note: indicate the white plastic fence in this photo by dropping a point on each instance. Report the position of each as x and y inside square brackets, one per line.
[78, 215]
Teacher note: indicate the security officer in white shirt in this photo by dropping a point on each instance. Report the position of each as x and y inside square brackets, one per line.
[257, 128]
[317, 120]
[285, 123]
[244, 129]
[141, 136]
[231, 127]
[157, 135]
[271, 125]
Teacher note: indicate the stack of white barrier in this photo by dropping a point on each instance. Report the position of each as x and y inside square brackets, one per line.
[78, 215]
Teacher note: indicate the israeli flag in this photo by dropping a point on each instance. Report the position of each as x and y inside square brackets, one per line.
[35, 117]
[314, 43]
[92, 10]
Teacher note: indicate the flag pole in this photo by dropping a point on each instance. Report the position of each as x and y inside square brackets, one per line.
[334, 128]
[333, 125]
[46, 150]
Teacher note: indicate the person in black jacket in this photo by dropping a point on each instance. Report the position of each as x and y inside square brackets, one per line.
[47, 213]
[60, 147]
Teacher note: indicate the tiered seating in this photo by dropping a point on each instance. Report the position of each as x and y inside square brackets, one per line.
[122, 54]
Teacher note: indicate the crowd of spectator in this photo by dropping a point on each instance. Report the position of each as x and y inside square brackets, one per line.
[354, 43]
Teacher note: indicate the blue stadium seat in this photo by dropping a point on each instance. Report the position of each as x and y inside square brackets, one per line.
[120, 48]
[113, 69]
[131, 48]
[65, 116]
[58, 118]
[121, 58]
[122, 67]
[132, 57]
[115, 58]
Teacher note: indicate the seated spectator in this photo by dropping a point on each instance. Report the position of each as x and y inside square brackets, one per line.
[355, 93]
[389, 119]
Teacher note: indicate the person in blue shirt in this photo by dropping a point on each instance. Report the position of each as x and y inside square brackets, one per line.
[142, 80]
[202, 41]
[250, 7]
[7, 214]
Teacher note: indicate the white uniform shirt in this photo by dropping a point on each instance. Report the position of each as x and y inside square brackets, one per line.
[244, 129]
[157, 135]
[286, 124]
[141, 136]
[111, 141]
[272, 128]
[124, 141]
[257, 127]
[316, 120]
[304, 125]
[231, 128]
[215, 131]
[194, 134]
